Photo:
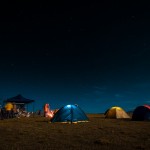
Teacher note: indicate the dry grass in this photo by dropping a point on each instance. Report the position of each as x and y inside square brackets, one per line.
[99, 133]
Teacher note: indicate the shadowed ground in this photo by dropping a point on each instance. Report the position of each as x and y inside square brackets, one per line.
[100, 133]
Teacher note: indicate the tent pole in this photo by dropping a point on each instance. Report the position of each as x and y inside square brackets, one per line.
[33, 109]
[71, 114]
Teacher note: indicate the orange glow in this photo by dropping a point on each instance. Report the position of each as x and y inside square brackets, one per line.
[48, 113]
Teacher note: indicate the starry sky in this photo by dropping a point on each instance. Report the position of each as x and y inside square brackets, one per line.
[96, 55]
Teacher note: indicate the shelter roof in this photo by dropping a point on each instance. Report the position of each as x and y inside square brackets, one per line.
[19, 99]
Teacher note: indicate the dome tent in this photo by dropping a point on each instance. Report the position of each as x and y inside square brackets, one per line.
[141, 113]
[70, 114]
[116, 112]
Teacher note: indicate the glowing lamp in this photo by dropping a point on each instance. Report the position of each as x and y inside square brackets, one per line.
[68, 106]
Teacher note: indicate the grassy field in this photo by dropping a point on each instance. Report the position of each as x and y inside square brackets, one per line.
[99, 133]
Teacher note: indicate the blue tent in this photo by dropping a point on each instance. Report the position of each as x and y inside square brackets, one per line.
[141, 113]
[70, 114]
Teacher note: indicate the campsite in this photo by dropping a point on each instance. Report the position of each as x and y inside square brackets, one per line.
[69, 127]
[99, 133]
[75, 75]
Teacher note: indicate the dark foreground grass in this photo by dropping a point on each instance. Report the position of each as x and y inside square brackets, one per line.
[99, 133]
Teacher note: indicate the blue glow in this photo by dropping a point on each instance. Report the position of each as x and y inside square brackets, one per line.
[68, 106]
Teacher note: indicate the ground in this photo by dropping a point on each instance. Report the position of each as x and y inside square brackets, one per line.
[99, 133]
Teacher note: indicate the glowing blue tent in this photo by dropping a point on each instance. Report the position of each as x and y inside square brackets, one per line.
[70, 114]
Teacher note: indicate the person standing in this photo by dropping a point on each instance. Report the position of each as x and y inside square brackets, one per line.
[1, 113]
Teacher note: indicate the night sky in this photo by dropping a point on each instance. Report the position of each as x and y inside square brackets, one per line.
[96, 55]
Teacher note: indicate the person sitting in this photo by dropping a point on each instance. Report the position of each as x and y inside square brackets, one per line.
[9, 108]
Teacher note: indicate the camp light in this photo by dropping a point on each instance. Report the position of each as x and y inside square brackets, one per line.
[68, 106]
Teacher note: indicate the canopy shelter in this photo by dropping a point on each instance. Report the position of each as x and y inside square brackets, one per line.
[19, 101]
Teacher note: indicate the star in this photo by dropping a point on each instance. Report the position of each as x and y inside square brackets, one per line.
[12, 64]
[133, 17]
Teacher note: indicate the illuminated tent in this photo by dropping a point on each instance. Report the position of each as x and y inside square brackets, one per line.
[141, 113]
[116, 112]
[70, 114]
